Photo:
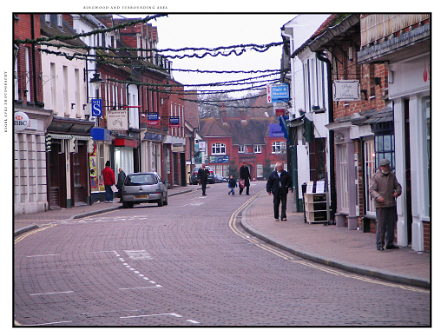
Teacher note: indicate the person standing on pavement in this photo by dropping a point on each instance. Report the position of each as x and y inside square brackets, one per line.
[121, 178]
[278, 183]
[202, 176]
[384, 189]
[245, 175]
[109, 181]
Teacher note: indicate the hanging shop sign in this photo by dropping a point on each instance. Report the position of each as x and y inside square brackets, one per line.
[346, 90]
[21, 121]
[277, 93]
[153, 119]
[174, 121]
[96, 107]
[117, 120]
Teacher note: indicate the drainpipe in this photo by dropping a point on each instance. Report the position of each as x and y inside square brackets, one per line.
[319, 55]
[35, 92]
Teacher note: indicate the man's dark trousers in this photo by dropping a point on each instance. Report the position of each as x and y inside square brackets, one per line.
[279, 197]
[386, 234]
[203, 183]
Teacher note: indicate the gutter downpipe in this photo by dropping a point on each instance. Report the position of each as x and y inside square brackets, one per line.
[319, 55]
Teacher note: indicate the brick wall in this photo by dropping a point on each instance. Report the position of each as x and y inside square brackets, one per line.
[22, 30]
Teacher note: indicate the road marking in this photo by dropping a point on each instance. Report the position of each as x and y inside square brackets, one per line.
[150, 315]
[279, 253]
[138, 254]
[21, 237]
[193, 321]
[49, 293]
[42, 255]
[142, 287]
[36, 325]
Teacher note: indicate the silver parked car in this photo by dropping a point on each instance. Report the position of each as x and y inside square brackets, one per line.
[143, 188]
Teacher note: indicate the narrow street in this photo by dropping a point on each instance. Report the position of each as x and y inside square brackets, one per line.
[186, 264]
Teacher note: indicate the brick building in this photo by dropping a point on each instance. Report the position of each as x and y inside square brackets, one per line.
[231, 141]
[30, 166]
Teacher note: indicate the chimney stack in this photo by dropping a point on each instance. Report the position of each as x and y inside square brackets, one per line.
[224, 114]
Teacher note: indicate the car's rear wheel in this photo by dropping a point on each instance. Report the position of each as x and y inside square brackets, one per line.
[166, 201]
[160, 201]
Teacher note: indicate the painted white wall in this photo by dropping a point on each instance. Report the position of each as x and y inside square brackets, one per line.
[298, 30]
[66, 81]
[406, 80]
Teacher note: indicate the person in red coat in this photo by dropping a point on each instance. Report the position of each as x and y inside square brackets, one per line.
[109, 181]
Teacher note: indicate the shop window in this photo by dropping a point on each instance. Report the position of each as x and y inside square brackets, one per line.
[369, 163]
[343, 177]
[385, 149]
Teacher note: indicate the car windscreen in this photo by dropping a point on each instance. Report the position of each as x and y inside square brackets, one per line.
[142, 179]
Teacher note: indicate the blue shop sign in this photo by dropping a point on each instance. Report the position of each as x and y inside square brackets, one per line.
[218, 159]
[100, 134]
[153, 137]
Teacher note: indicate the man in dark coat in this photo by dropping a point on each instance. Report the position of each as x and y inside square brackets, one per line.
[202, 176]
[121, 178]
[245, 175]
[278, 183]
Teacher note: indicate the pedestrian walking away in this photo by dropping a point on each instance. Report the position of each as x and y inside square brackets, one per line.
[202, 176]
[245, 175]
[384, 189]
[109, 180]
[232, 183]
[278, 184]
[121, 178]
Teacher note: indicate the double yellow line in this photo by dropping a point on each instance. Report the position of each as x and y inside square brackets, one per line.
[285, 256]
[21, 237]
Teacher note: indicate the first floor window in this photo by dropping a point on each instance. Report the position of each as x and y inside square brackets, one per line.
[278, 147]
[241, 149]
[257, 149]
[218, 149]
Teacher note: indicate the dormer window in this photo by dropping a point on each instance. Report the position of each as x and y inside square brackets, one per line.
[59, 20]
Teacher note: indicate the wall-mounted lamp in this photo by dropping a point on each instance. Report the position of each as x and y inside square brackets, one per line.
[365, 95]
[96, 81]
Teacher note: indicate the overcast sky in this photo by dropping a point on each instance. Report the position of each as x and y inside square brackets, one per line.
[178, 31]
[212, 31]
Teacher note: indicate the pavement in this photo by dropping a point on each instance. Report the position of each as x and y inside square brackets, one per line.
[350, 250]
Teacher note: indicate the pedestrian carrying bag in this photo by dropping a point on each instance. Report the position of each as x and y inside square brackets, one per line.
[114, 189]
[242, 183]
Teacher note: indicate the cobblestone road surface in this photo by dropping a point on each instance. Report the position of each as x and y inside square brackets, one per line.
[189, 264]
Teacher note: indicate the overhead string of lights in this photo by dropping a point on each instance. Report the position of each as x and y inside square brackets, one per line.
[127, 61]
